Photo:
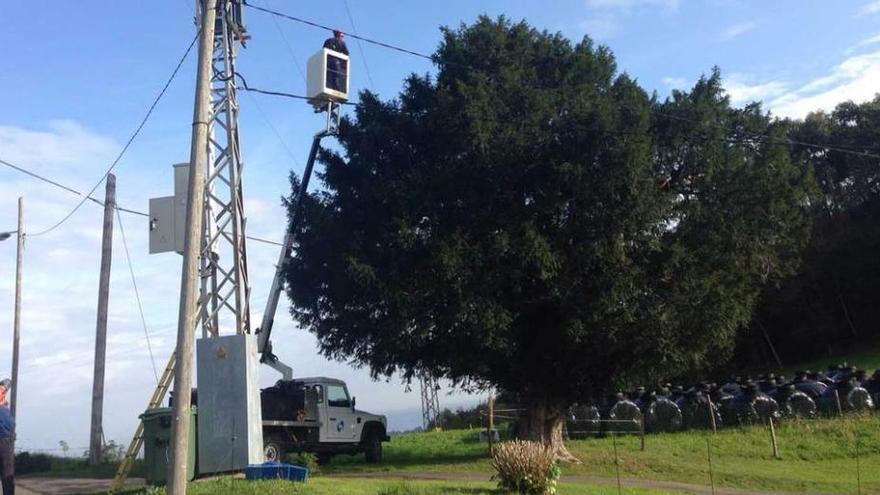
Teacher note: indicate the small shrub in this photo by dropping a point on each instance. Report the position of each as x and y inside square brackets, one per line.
[525, 467]
[307, 460]
[25, 463]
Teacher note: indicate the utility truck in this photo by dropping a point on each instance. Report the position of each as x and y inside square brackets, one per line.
[318, 415]
[312, 414]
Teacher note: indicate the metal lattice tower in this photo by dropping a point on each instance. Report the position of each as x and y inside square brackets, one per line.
[223, 270]
[430, 402]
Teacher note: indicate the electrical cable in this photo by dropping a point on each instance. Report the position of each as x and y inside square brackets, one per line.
[137, 295]
[289, 48]
[360, 46]
[274, 130]
[245, 87]
[101, 203]
[788, 142]
[129, 142]
[328, 28]
[66, 188]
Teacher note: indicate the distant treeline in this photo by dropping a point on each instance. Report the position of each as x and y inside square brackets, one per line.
[832, 302]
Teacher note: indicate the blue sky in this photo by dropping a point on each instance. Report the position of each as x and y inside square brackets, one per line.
[76, 78]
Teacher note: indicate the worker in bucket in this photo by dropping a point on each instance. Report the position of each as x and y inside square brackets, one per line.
[337, 69]
[7, 436]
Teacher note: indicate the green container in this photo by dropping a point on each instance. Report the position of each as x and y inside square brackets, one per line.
[157, 444]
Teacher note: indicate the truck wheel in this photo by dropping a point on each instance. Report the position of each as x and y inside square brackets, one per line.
[373, 446]
[273, 449]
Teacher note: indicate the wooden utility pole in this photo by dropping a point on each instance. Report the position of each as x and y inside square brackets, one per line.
[490, 429]
[189, 295]
[16, 325]
[96, 437]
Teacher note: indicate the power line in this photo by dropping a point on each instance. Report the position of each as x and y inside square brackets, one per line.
[788, 142]
[360, 46]
[66, 188]
[128, 143]
[289, 48]
[245, 87]
[352, 35]
[137, 295]
[101, 203]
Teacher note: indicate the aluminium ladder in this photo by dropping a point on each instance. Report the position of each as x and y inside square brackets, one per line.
[137, 440]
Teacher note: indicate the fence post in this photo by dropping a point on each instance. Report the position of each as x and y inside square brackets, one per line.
[709, 458]
[491, 425]
[837, 401]
[616, 463]
[712, 415]
[773, 440]
[642, 432]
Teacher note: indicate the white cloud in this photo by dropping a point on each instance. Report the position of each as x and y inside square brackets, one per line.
[674, 82]
[600, 28]
[738, 30]
[873, 40]
[856, 79]
[870, 8]
[741, 90]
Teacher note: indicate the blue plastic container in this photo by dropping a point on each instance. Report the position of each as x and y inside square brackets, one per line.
[274, 470]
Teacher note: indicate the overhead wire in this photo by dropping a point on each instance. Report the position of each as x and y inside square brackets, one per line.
[360, 46]
[137, 295]
[328, 28]
[293, 56]
[96, 200]
[788, 142]
[131, 139]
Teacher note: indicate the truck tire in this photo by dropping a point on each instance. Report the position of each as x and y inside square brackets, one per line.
[372, 445]
[273, 448]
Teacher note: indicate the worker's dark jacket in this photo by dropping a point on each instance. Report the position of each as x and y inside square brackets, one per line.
[7, 423]
[7, 456]
[337, 45]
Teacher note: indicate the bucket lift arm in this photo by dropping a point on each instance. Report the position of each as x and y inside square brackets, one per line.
[264, 345]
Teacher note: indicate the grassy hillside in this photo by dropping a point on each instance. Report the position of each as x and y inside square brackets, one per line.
[817, 456]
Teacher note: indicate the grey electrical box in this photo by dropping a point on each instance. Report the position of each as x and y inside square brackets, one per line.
[162, 233]
[230, 418]
[168, 215]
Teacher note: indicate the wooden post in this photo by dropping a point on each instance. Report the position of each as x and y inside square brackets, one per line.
[837, 402]
[709, 458]
[96, 436]
[642, 432]
[712, 415]
[773, 440]
[491, 426]
[616, 463]
[16, 325]
[188, 311]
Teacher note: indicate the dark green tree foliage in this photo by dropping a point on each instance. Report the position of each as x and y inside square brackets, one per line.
[525, 220]
[834, 299]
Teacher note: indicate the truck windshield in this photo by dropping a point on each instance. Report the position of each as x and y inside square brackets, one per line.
[337, 396]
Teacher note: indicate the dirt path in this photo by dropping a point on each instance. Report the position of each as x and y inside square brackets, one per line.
[66, 486]
[598, 480]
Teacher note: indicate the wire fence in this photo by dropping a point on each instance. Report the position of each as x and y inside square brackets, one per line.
[852, 447]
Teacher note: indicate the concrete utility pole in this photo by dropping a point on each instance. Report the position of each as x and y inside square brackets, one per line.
[96, 442]
[16, 326]
[189, 295]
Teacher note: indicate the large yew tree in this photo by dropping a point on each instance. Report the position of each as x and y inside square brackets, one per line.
[530, 219]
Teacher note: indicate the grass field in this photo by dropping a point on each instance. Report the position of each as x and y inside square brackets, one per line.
[816, 456]
[336, 486]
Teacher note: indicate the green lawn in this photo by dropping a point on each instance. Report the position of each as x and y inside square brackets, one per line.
[335, 486]
[817, 456]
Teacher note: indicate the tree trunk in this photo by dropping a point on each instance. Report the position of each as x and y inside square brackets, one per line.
[542, 421]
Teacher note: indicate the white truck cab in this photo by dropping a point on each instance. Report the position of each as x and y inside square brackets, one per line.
[317, 414]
